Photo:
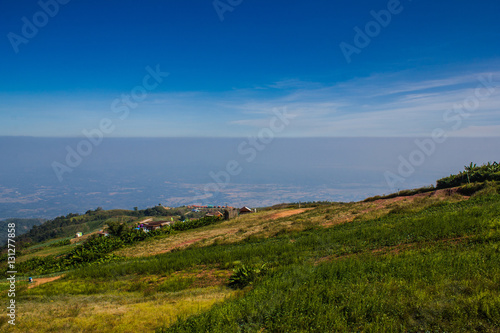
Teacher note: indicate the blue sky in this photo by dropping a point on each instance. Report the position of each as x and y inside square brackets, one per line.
[226, 76]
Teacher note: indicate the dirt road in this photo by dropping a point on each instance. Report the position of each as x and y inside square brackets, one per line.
[39, 281]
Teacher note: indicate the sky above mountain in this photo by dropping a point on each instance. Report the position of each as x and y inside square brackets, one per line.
[232, 68]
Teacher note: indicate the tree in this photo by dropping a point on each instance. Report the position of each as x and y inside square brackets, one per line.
[116, 229]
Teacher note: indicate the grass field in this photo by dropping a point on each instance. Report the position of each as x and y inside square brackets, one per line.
[423, 263]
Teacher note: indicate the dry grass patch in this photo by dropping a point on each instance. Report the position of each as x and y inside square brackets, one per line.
[286, 213]
[113, 313]
[345, 213]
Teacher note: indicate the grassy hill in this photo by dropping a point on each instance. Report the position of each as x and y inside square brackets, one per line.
[92, 220]
[422, 262]
[22, 225]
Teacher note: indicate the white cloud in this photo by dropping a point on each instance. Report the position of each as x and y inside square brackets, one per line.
[392, 104]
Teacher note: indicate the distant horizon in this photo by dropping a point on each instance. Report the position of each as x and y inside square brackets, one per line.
[244, 137]
[128, 172]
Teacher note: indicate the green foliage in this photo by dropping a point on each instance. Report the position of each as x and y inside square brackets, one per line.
[98, 249]
[67, 226]
[244, 276]
[22, 227]
[445, 277]
[444, 220]
[161, 211]
[434, 285]
[437, 289]
[116, 229]
[435, 268]
[471, 174]
[192, 224]
[472, 177]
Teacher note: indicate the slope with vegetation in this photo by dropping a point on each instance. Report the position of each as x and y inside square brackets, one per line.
[67, 226]
[22, 226]
[412, 263]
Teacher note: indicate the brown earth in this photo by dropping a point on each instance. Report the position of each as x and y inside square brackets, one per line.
[383, 206]
[287, 213]
[40, 281]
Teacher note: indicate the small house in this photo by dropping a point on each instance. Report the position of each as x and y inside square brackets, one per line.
[246, 210]
[79, 234]
[214, 214]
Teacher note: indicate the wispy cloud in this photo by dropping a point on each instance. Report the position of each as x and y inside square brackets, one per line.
[381, 105]
[392, 104]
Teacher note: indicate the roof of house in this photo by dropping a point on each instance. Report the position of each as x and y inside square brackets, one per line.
[246, 209]
[217, 213]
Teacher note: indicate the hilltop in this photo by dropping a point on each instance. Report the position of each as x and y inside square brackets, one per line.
[419, 260]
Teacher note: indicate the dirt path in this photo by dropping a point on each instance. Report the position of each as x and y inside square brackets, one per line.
[385, 205]
[287, 213]
[39, 281]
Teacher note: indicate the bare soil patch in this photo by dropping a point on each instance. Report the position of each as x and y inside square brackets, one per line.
[40, 281]
[287, 213]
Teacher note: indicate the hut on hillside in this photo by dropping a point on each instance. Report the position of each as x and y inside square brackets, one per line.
[245, 210]
[214, 214]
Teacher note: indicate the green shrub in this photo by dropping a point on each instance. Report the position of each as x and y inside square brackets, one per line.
[244, 276]
[472, 173]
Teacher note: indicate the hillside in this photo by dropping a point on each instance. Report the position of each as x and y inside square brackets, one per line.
[23, 226]
[93, 220]
[426, 260]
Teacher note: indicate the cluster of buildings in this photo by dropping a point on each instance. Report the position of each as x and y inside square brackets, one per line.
[211, 211]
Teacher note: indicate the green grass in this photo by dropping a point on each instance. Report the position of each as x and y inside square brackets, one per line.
[434, 289]
[118, 312]
[437, 286]
[427, 265]
[439, 221]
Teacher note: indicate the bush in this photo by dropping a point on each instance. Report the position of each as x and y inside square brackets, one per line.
[244, 276]
[472, 173]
